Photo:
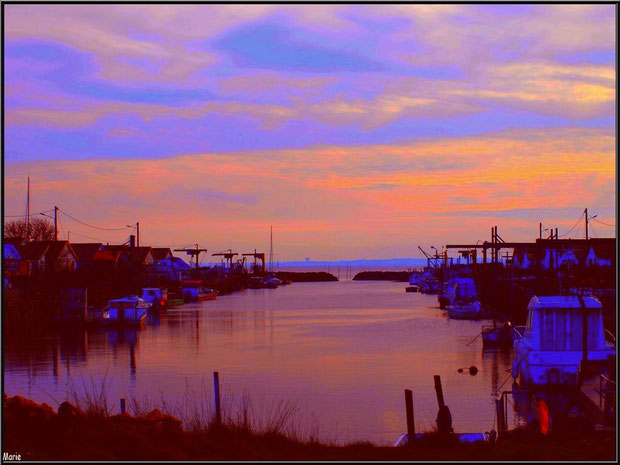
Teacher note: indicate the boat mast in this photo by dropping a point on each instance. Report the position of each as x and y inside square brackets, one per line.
[271, 250]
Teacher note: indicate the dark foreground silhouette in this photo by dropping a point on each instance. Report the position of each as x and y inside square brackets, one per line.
[38, 432]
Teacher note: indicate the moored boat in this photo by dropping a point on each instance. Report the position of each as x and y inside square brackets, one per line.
[497, 335]
[125, 311]
[562, 332]
[463, 310]
[158, 298]
[256, 282]
[193, 291]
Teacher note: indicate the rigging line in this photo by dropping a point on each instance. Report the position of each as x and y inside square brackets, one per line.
[88, 237]
[593, 231]
[32, 214]
[602, 222]
[91, 226]
[576, 224]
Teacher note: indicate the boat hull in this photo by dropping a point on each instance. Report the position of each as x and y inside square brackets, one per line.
[536, 368]
[470, 311]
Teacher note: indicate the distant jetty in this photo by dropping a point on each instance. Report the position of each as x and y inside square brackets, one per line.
[306, 277]
[401, 276]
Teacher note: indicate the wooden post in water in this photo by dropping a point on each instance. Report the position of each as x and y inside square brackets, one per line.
[122, 406]
[216, 391]
[500, 417]
[444, 417]
[410, 418]
[439, 391]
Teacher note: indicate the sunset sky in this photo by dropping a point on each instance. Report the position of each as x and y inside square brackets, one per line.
[357, 131]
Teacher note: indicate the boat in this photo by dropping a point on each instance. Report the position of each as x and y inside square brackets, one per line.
[414, 278]
[412, 288]
[256, 282]
[270, 281]
[549, 349]
[174, 300]
[463, 303]
[465, 310]
[497, 335]
[125, 311]
[158, 298]
[193, 291]
[446, 296]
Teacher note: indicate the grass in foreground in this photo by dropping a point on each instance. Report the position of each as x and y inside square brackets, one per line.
[38, 432]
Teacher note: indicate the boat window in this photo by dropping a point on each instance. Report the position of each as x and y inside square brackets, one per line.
[560, 329]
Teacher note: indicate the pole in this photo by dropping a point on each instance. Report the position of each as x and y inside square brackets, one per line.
[216, 393]
[138, 232]
[439, 391]
[56, 223]
[409, 410]
[586, 212]
[540, 230]
[28, 211]
[122, 406]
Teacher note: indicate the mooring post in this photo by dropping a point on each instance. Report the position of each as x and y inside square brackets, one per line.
[216, 391]
[122, 406]
[444, 417]
[410, 419]
[439, 391]
[499, 411]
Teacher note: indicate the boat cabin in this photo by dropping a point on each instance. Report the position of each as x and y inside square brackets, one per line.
[130, 309]
[557, 323]
[155, 296]
[550, 349]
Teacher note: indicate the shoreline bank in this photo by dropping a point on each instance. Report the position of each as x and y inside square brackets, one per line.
[38, 432]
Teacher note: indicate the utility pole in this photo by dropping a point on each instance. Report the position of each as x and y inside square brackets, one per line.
[28, 211]
[56, 223]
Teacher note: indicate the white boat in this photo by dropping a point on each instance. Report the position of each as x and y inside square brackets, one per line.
[271, 282]
[549, 349]
[462, 299]
[126, 311]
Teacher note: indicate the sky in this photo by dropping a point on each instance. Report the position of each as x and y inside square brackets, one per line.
[357, 131]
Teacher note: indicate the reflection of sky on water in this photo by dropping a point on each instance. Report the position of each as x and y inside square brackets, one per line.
[342, 352]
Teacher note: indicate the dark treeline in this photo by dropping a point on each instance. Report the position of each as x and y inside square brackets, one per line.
[401, 276]
[306, 276]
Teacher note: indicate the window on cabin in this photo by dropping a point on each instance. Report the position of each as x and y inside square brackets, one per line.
[562, 329]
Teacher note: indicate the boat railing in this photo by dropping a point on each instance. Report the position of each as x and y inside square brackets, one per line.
[519, 331]
[607, 394]
[612, 338]
[501, 409]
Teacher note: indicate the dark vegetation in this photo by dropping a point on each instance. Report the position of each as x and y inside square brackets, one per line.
[91, 432]
[306, 277]
[38, 229]
[401, 276]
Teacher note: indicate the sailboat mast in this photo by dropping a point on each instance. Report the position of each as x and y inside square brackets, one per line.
[270, 249]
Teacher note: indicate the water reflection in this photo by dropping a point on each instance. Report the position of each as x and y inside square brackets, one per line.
[343, 351]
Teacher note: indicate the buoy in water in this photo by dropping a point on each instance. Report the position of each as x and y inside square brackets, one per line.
[473, 370]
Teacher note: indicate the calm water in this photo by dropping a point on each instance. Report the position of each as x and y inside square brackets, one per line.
[341, 352]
